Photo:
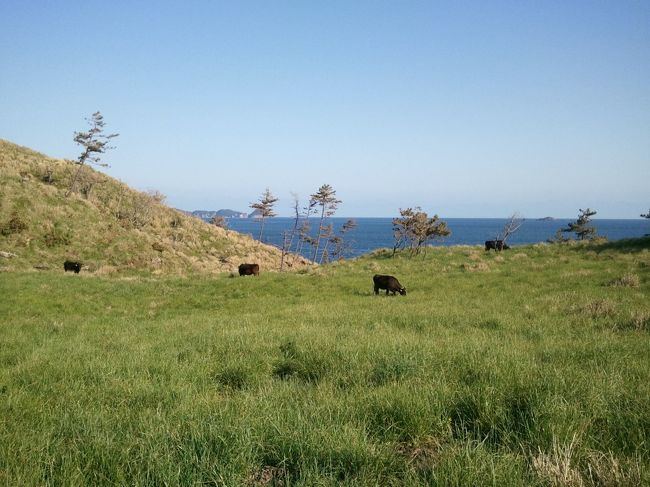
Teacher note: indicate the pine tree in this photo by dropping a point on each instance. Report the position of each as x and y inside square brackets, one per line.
[581, 227]
[265, 208]
[94, 143]
[325, 197]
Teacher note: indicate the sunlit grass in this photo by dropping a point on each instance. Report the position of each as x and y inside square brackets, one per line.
[528, 369]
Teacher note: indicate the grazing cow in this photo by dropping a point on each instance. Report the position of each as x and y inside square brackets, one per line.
[249, 270]
[389, 283]
[497, 245]
[72, 266]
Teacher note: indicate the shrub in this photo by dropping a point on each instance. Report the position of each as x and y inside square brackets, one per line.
[628, 280]
[15, 224]
[57, 235]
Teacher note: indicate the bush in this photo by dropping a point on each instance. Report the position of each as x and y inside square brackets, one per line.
[57, 235]
[15, 224]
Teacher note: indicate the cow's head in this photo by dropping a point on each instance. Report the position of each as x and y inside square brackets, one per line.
[403, 291]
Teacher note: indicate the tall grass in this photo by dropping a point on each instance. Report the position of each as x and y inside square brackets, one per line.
[111, 229]
[529, 372]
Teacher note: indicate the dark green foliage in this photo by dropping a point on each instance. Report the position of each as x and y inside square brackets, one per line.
[582, 226]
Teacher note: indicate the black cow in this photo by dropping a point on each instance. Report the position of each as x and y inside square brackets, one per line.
[249, 270]
[72, 266]
[497, 245]
[389, 283]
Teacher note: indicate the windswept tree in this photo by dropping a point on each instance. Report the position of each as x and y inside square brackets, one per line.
[340, 243]
[415, 229]
[95, 143]
[326, 236]
[582, 226]
[325, 198]
[512, 225]
[219, 221]
[265, 208]
[304, 229]
[288, 236]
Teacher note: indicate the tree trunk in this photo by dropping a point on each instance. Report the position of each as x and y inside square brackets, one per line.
[261, 229]
[320, 231]
[74, 180]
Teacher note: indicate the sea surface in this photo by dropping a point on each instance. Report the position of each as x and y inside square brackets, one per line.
[374, 233]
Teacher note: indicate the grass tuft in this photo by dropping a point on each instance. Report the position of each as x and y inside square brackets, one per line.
[627, 280]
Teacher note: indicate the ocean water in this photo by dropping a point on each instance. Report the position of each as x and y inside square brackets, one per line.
[374, 233]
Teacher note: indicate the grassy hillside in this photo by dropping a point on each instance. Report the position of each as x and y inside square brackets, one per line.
[526, 368]
[106, 224]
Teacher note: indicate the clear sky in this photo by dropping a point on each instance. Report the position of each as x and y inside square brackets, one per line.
[465, 108]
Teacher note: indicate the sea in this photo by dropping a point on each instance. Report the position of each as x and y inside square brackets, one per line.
[375, 233]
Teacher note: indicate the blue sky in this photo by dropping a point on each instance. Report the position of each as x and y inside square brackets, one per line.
[467, 109]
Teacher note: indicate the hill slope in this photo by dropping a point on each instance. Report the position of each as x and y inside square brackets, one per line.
[107, 225]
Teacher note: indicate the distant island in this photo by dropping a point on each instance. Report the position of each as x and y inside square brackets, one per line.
[546, 219]
[207, 215]
[255, 214]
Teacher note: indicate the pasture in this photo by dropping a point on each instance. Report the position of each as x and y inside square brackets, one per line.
[528, 367]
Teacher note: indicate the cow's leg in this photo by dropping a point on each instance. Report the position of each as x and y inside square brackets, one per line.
[376, 289]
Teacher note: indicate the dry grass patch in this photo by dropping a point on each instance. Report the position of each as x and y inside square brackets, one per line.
[639, 321]
[474, 256]
[627, 280]
[266, 475]
[604, 470]
[558, 467]
[476, 267]
[422, 455]
[598, 308]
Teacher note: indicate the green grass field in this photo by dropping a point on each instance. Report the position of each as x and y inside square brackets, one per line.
[531, 367]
